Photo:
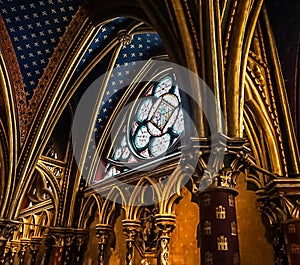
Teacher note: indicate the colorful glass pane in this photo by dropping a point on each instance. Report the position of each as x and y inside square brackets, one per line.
[179, 124]
[163, 87]
[160, 145]
[144, 109]
[142, 137]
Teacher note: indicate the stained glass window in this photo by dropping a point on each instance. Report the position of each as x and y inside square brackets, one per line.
[156, 123]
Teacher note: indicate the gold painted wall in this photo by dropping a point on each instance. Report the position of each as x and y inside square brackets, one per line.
[116, 252]
[183, 247]
[254, 248]
[91, 254]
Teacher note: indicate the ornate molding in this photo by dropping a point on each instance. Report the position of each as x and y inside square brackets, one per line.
[124, 37]
[279, 200]
[34, 248]
[224, 170]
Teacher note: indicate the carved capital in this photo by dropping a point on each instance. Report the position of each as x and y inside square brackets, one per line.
[131, 228]
[7, 227]
[62, 236]
[166, 224]
[280, 205]
[221, 161]
[81, 239]
[226, 177]
[103, 232]
[35, 243]
[279, 200]
[24, 244]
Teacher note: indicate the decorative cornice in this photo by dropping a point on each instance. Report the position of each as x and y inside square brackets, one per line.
[131, 229]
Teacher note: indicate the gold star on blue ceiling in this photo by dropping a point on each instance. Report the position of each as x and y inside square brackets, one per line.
[35, 28]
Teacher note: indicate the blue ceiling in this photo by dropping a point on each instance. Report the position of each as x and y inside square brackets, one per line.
[35, 28]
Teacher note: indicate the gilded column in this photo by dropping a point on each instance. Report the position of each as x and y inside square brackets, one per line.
[6, 253]
[48, 241]
[68, 246]
[80, 247]
[34, 248]
[57, 248]
[218, 224]
[131, 228]
[165, 224]
[103, 232]
[56, 254]
[15, 244]
[24, 245]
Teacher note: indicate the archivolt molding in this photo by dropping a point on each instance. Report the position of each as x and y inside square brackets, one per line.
[287, 124]
[8, 133]
[261, 113]
[87, 211]
[4, 162]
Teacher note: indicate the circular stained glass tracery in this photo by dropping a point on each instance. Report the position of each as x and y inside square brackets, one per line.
[154, 126]
[158, 120]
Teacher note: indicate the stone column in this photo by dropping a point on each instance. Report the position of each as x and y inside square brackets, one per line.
[58, 247]
[34, 248]
[103, 232]
[63, 244]
[166, 224]
[131, 228]
[218, 229]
